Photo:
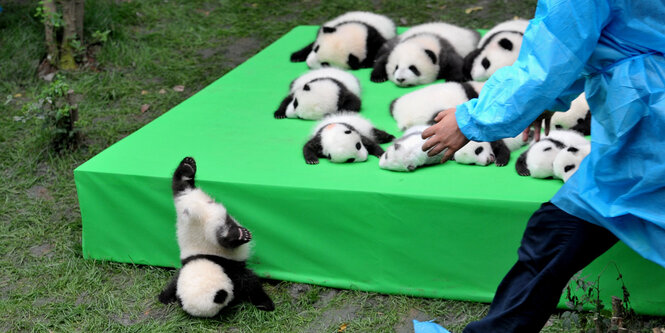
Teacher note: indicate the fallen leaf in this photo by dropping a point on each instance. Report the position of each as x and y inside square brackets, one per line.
[473, 9]
[17, 95]
[179, 88]
[144, 92]
[145, 107]
[162, 91]
[254, 5]
[343, 328]
[403, 21]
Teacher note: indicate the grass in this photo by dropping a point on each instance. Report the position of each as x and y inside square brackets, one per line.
[45, 285]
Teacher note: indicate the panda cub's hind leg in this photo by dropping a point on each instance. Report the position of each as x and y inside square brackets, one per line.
[183, 177]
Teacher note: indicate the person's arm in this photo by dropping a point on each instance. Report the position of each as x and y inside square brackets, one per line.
[546, 76]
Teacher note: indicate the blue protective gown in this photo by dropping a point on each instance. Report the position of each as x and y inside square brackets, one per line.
[612, 50]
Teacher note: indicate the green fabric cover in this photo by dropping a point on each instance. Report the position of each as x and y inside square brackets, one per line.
[447, 231]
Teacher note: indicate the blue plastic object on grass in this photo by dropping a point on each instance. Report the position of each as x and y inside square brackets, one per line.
[428, 327]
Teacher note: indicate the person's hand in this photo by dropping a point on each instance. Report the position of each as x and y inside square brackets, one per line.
[444, 134]
[536, 124]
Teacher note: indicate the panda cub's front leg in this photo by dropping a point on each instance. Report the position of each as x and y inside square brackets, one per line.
[231, 235]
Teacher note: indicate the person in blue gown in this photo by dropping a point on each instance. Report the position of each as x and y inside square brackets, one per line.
[613, 51]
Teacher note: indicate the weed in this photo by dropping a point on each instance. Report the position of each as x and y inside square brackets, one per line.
[58, 113]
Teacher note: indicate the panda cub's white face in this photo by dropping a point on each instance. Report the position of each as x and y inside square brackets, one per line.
[334, 45]
[568, 161]
[414, 61]
[479, 153]
[314, 100]
[342, 144]
[502, 51]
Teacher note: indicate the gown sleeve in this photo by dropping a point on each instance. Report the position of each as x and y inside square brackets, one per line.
[547, 74]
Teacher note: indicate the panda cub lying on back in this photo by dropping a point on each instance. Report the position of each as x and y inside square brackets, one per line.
[320, 92]
[344, 138]
[424, 54]
[348, 41]
[213, 251]
[406, 154]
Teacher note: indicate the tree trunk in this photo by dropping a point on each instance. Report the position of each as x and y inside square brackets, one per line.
[67, 61]
[51, 45]
[80, 4]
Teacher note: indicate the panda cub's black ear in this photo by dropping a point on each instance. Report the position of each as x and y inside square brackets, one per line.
[431, 55]
[506, 44]
[329, 30]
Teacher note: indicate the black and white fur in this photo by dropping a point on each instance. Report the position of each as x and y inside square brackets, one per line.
[213, 252]
[344, 138]
[577, 118]
[484, 153]
[538, 160]
[424, 54]
[499, 47]
[320, 92]
[420, 106]
[406, 153]
[568, 161]
[351, 40]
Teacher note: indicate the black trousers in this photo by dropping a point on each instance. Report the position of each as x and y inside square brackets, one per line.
[555, 246]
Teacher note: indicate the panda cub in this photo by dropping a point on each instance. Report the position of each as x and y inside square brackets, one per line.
[484, 153]
[577, 118]
[420, 106]
[424, 54]
[348, 41]
[499, 47]
[320, 92]
[344, 138]
[568, 161]
[538, 160]
[406, 153]
[213, 252]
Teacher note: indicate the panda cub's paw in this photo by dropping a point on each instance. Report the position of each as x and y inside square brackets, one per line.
[183, 177]
[234, 237]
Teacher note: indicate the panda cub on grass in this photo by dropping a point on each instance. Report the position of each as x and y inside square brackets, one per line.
[213, 251]
[344, 138]
[499, 47]
[320, 92]
[406, 153]
[424, 54]
[350, 41]
[420, 106]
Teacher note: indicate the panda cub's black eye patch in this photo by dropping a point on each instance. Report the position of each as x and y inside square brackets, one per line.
[295, 103]
[479, 150]
[347, 132]
[325, 64]
[485, 63]
[358, 146]
[306, 87]
[547, 149]
[414, 70]
[568, 167]
[316, 48]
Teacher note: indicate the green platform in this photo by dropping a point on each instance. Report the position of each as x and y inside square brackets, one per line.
[448, 231]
